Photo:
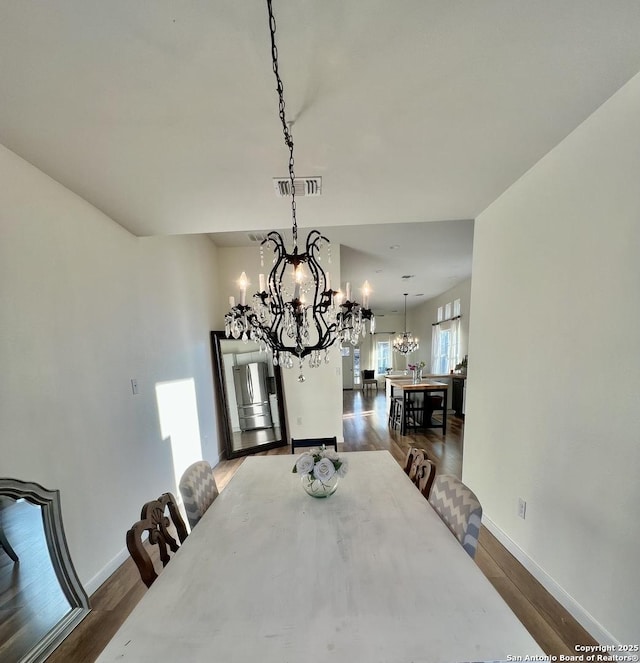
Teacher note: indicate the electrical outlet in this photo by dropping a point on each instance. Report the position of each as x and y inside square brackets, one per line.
[522, 508]
[299, 421]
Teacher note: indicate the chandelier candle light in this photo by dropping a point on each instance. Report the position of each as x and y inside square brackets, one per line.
[295, 313]
[406, 343]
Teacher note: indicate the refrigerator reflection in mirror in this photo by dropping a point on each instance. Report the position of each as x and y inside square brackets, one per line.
[251, 395]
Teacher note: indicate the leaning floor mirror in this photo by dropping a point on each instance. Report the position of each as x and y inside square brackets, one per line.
[250, 397]
[41, 598]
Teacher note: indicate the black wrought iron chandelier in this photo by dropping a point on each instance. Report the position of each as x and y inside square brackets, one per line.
[406, 343]
[295, 314]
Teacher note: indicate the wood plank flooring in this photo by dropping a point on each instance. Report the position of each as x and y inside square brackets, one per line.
[31, 601]
[365, 428]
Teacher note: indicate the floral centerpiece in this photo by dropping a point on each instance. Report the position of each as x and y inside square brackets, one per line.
[320, 470]
[416, 370]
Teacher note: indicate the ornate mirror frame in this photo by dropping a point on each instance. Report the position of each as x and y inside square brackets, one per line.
[223, 402]
[49, 501]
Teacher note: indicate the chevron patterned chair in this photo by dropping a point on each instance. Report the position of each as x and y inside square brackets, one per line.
[198, 489]
[459, 508]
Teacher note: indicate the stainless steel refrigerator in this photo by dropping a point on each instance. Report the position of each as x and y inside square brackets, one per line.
[252, 395]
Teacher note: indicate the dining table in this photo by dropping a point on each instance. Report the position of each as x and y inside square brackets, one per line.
[369, 574]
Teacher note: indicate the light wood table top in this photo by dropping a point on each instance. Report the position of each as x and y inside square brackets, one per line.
[423, 385]
[273, 575]
[426, 376]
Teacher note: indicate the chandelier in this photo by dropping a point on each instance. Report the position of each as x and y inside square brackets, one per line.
[405, 344]
[295, 314]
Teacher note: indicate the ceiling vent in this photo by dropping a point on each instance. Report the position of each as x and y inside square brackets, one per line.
[257, 237]
[304, 186]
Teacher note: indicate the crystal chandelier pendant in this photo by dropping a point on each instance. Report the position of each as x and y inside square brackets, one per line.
[406, 343]
[295, 313]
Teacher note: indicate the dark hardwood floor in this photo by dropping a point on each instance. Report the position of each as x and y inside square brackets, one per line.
[31, 601]
[365, 428]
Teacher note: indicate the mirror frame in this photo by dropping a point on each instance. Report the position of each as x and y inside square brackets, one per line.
[223, 403]
[49, 501]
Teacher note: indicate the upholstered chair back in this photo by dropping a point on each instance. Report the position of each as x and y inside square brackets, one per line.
[459, 508]
[198, 489]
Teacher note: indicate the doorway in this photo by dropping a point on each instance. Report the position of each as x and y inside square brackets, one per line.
[347, 367]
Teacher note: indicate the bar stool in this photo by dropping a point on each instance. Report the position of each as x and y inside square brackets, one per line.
[396, 412]
[433, 403]
[415, 410]
[392, 412]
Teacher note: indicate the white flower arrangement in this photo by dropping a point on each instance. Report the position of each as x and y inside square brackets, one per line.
[320, 465]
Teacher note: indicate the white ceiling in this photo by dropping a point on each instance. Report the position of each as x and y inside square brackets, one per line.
[163, 114]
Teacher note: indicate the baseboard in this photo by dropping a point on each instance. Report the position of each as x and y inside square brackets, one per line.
[92, 585]
[584, 618]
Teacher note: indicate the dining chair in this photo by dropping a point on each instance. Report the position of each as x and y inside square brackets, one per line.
[160, 528]
[410, 457]
[198, 489]
[369, 379]
[415, 457]
[459, 508]
[425, 476]
[314, 442]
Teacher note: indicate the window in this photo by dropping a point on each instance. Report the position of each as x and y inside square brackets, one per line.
[356, 365]
[383, 356]
[441, 345]
[445, 347]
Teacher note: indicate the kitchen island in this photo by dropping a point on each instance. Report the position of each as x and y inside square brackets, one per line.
[415, 410]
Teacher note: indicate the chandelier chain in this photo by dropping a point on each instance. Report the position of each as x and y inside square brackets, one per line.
[286, 130]
[405, 312]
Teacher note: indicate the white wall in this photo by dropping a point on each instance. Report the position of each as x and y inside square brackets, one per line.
[86, 307]
[313, 407]
[421, 318]
[552, 406]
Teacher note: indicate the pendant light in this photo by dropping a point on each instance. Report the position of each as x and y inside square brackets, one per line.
[296, 314]
[406, 343]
